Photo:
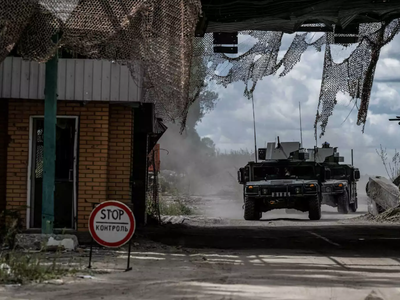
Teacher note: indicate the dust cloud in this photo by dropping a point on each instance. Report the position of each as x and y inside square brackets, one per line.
[194, 168]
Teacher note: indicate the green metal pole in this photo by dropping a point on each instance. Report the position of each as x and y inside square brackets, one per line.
[49, 154]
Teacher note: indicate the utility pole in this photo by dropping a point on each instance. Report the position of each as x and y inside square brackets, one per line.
[301, 129]
[254, 125]
[49, 153]
[352, 157]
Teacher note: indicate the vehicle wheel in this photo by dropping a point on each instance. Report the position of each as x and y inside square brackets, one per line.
[343, 203]
[314, 208]
[250, 210]
[354, 206]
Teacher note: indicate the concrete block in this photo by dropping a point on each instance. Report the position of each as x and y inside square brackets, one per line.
[383, 194]
[46, 241]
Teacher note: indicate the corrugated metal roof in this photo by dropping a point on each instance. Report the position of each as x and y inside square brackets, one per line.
[78, 79]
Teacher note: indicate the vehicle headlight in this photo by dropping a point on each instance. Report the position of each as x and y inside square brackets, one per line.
[310, 188]
[339, 186]
[252, 189]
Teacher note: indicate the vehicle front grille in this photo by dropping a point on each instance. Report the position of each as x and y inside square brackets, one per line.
[279, 192]
[282, 191]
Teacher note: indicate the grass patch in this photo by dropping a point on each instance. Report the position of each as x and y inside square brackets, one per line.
[22, 268]
[10, 226]
[175, 208]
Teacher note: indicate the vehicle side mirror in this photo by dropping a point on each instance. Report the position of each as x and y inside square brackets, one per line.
[262, 153]
[357, 174]
[241, 176]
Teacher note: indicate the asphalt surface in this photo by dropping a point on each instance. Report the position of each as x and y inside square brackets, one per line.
[334, 233]
[220, 256]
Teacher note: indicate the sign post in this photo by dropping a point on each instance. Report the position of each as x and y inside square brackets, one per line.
[112, 224]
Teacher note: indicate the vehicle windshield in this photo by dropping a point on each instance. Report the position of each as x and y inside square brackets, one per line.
[283, 172]
[338, 173]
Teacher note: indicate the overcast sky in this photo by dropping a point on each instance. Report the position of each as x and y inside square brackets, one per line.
[277, 100]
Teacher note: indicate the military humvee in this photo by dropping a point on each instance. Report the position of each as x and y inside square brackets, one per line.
[287, 183]
[340, 190]
[287, 168]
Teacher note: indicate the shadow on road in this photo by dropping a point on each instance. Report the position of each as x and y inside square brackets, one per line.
[359, 240]
[298, 220]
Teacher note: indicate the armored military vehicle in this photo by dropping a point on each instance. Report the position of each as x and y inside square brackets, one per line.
[336, 184]
[282, 183]
[340, 190]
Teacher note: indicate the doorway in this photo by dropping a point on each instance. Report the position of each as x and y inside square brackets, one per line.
[65, 173]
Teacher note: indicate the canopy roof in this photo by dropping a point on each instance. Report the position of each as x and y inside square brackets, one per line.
[288, 15]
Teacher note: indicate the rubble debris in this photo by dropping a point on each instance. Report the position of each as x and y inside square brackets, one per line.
[12, 285]
[391, 216]
[54, 282]
[5, 268]
[173, 219]
[85, 276]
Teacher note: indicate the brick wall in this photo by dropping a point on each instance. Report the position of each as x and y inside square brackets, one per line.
[99, 157]
[93, 157]
[3, 151]
[119, 159]
[18, 148]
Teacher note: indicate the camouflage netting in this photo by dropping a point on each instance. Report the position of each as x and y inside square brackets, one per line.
[353, 76]
[160, 34]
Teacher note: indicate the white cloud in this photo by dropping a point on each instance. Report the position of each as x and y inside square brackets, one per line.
[230, 124]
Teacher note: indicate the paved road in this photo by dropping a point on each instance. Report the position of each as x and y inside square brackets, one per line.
[282, 257]
[229, 208]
